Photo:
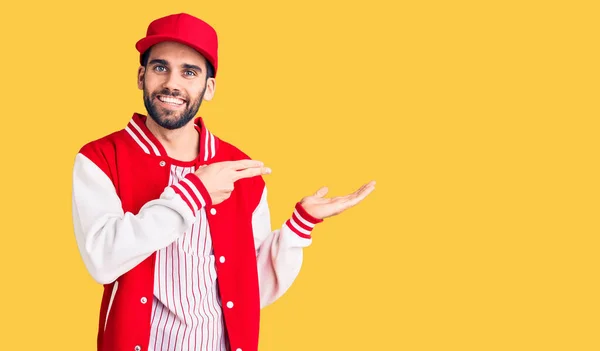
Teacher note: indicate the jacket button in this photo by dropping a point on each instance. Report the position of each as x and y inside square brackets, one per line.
[229, 304]
[138, 348]
[213, 211]
[222, 259]
[144, 300]
[162, 163]
[238, 349]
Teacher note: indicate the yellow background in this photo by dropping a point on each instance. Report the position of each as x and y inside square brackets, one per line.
[477, 119]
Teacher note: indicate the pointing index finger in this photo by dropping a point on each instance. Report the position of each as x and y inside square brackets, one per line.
[251, 172]
[244, 164]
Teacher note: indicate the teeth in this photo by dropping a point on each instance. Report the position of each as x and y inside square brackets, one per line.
[170, 100]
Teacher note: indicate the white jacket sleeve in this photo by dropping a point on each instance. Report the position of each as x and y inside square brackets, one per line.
[279, 252]
[111, 241]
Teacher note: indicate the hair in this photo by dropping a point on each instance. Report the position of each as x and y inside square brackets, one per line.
[210, 69]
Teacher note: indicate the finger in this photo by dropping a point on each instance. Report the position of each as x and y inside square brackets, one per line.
[353, 199]
[321, 192]
[354, 194]
[362, 188]
[358, 197]
[359, 190]
[367, 187]
[251, 172]
[243, 164]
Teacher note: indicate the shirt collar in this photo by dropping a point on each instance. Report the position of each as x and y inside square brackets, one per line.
[137, 130]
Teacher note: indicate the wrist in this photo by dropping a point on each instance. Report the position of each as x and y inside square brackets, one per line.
[193, 192]
[300, 207]
[301, 222]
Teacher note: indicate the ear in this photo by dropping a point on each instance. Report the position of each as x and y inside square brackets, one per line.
[211, 86]
[140, 77]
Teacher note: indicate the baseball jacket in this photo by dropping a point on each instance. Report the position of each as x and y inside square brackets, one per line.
[124, 211]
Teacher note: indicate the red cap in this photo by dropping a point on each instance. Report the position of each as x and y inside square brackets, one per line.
[184, 29]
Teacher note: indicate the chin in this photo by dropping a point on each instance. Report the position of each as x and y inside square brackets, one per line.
[171, 122]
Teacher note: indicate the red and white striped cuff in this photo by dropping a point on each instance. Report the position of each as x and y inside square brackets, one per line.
[193, 192]
[301, 222]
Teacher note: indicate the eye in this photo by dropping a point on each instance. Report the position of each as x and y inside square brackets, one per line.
[160, 68]
[190, 73]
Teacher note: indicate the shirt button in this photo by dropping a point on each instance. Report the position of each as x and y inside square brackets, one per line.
[138, 348]
[222, 259]
[162, 163]
[229, 304]
[213, 211]
[144, 300]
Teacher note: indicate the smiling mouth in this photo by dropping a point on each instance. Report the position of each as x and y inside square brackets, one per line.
[170, 100]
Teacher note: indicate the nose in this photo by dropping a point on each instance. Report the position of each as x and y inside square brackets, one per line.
[172, 82]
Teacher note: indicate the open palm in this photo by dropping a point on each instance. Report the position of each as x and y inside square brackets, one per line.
[320, 207]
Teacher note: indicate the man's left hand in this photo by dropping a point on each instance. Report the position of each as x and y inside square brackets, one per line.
[320, 207]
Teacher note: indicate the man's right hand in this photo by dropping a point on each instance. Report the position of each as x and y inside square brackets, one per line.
[219, 178]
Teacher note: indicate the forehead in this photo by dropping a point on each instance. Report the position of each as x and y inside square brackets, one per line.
[176, 53]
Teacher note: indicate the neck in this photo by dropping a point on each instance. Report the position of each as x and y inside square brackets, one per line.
[180, 144]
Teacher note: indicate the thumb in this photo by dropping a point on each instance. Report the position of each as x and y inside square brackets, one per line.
[321, 192]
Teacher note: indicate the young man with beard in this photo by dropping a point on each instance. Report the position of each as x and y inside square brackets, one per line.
[174, 221]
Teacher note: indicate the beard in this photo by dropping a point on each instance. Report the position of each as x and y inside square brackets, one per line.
[171, 119]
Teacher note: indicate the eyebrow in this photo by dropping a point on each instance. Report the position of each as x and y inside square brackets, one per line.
[188, 66]
[166, 63]
[159, 61]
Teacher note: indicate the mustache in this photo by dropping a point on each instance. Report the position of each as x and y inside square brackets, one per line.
[167, 92]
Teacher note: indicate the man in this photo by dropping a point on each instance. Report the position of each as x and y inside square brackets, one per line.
[174, 222]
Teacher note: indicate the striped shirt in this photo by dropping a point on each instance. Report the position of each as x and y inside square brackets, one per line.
[186, 308]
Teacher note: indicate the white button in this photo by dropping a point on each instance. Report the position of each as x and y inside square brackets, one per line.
[238, 349]
[213, 211]
[162, 163]
[138, 348]
[222, 259]
[229, 304]
[144, 300]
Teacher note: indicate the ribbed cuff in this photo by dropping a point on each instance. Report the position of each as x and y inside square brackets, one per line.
[193, 192]
[301, 222]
